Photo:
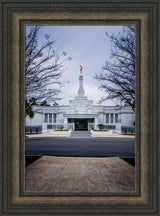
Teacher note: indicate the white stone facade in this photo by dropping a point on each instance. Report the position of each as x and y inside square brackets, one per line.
[80, 114]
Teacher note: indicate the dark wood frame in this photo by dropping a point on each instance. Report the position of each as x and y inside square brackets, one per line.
[14, 15]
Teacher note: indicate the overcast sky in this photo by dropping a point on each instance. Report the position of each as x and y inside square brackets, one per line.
[88, 46]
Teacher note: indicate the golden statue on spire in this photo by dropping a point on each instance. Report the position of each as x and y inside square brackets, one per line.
[81, 69]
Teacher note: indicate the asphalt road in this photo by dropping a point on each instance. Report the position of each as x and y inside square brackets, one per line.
[84, 147]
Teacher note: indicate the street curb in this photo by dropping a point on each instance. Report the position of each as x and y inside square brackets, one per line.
[92, 136]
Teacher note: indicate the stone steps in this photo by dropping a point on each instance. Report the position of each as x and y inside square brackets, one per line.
[80, 134]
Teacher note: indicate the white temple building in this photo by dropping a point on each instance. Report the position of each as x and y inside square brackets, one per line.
[80, 114]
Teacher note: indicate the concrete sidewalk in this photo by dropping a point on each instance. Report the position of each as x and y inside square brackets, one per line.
[46, 135]
[79, 174]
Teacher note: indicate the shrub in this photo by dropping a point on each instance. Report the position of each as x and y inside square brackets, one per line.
[61, 127]
[100, 126]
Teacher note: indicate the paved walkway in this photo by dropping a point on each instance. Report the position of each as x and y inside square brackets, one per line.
[80, 174]
[85, 134]
[81, 134]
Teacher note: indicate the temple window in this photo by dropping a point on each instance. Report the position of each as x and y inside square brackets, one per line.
[107, 118]
[50, 117]
[116, 118]
[54, 118]
[111, 118]
[45, 117]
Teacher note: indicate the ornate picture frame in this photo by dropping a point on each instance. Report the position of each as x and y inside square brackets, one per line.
[15, 15]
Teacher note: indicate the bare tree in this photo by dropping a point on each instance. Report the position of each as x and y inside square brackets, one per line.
[117, 78]
[44, 67]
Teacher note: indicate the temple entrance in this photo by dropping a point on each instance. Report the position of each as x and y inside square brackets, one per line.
[81, 124]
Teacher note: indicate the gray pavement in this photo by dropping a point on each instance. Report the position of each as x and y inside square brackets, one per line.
[113, 135]
[59, 174]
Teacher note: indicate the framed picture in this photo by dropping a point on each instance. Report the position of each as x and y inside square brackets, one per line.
[91, 136]
[15, 18]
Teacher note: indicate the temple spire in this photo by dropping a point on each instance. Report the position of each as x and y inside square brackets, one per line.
[80, 90]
